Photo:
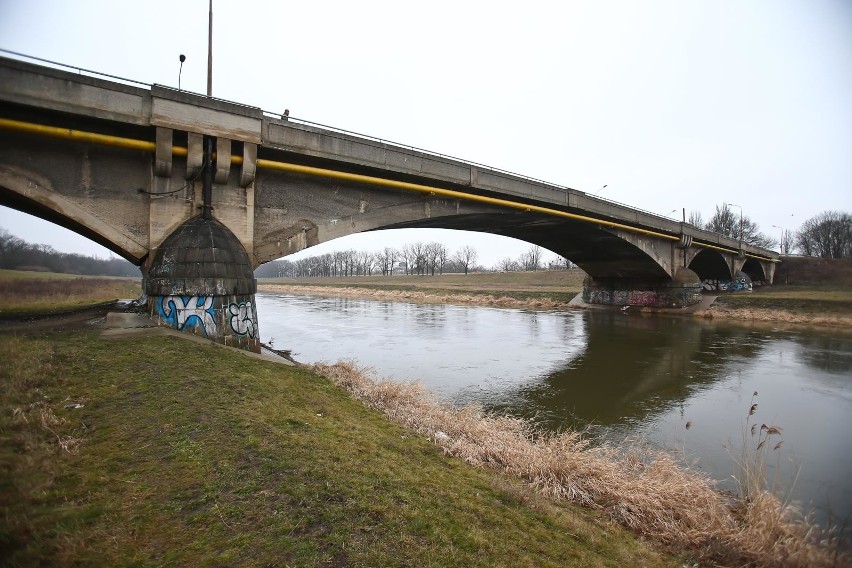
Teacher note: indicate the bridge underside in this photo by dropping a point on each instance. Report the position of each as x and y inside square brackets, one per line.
[599, 252]
[183, 184]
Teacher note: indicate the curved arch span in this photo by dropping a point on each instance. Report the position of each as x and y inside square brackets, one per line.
[35, 199]
[754, 269]
[710, 265]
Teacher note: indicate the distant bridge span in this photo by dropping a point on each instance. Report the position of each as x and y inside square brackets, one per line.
[128, 166]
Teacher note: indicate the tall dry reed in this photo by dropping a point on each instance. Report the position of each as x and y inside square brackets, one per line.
[648, 491]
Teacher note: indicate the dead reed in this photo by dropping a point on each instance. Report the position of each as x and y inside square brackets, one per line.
[32, 294]
[648, 491]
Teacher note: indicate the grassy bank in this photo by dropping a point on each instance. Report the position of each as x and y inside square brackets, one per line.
[24, 294]
[160, 451]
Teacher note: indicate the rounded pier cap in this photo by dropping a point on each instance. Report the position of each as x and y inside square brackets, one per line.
[200, 258]
[686, 276]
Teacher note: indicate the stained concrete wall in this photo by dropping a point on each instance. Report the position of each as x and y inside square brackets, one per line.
[95, 189]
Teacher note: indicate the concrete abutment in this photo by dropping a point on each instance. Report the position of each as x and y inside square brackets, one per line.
[681, 292]
[200, 281]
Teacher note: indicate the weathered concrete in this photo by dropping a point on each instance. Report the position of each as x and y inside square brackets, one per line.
[200, 281]
[132, 200]
[682, 292]
[124, 325]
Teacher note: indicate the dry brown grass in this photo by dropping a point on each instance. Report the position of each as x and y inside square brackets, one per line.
[421, 297]
[45, 293]
[649, 491]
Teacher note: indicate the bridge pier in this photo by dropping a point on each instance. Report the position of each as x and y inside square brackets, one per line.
[681, 292]
[200, 281]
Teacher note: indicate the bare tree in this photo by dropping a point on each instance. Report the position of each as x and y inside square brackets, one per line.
[696, 219]
[562, 262]
[726, 222]
[386, 260]
[531, 260]
[827, 235]
[788, 241]
[430, 255]
[508, 265]
[365, 262]
[443, 257]
[415, 257]
[466, 257]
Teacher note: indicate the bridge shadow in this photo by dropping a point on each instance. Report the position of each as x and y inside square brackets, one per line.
[632, 369]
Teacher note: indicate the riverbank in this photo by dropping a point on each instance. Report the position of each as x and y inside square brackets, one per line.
[28, 295]
[161, 449]
[158, 450]
[164, 450]
[820, 293]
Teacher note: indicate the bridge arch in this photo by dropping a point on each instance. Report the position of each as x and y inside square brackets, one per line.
[709, 264]
[32, 195]
[754, 269]
[600, 252]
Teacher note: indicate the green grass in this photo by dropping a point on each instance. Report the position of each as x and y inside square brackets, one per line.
[196, 455]
[24, 294]
[829, 299]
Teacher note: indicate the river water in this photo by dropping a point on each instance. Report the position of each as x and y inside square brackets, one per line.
[681, 384]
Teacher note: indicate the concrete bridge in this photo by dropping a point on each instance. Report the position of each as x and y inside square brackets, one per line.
[200, 191]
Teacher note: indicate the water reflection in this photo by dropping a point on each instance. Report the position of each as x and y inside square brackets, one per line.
[831, 354]
[631, 368]
[629, 375]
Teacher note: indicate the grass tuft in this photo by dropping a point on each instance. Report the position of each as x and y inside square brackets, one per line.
[648, 491]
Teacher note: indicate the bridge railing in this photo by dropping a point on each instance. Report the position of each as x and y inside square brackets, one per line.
[287, 118]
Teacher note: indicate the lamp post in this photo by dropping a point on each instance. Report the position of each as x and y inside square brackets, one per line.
[741, 222]
[601, 189]
[784, 232]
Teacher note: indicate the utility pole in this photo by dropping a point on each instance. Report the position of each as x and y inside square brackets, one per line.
[210, 52]
[207, 187]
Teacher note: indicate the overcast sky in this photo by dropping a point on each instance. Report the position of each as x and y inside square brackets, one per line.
[681, 104]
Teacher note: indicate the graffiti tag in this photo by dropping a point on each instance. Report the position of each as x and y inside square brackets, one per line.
[193, 310]
[243, 320]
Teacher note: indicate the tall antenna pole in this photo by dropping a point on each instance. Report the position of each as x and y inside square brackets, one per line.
[210, 53]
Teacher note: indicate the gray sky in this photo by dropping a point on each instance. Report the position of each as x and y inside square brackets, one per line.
[680, 104]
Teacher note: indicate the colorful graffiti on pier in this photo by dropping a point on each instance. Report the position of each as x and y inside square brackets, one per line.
[673, 297]
[189, 311]
[243, 319]
[737, 285]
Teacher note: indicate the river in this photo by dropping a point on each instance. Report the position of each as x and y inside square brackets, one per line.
[682, 384]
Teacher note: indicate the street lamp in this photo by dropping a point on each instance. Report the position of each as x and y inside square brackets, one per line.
[598, 191]
[783, 232]
[741, 222]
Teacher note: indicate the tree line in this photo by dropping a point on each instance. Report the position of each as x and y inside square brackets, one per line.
[18, 254]
[412, 259]
[826, 235]
[416, 258]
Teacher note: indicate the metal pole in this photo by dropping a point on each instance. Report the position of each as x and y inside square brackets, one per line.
[784, 233]
[207, 180]
[210, 53]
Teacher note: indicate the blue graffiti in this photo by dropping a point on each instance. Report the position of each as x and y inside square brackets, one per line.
[194, 311]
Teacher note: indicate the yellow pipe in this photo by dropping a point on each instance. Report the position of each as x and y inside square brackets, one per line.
[77, 135]
[133, 144]
[359, 178]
